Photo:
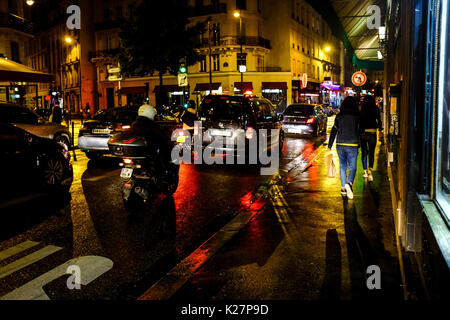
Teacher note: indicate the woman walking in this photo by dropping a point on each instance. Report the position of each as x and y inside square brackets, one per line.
[370, 122]
[346, 128]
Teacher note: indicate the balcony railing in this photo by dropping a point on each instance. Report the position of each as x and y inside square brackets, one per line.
[236, 41]
[104, 53]
[268, 69]
[9, 20]
[207, 10]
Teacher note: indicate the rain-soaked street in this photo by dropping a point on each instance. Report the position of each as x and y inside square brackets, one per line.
[227, 233]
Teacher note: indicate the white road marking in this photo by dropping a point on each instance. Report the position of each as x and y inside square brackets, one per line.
[91, 268]
[16, 249]
[27, 260]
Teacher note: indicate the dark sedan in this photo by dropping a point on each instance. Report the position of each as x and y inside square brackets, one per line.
[309, 119]
[29, 162]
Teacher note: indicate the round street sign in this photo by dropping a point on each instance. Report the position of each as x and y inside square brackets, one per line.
[359, 78]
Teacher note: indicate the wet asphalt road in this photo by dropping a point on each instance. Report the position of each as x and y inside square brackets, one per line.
[141, 249]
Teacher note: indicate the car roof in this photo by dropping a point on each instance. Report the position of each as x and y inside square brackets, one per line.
[303, 105]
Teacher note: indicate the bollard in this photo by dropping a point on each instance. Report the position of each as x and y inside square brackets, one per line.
[73, 141]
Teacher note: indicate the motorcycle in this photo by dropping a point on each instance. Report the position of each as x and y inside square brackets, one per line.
[144, 178]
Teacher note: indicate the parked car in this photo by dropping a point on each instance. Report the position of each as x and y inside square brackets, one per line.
[94, 134]
[309, 119]
[30, 162]
[30, 121]
[224, 115]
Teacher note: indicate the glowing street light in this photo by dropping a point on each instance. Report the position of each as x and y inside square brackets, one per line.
[327, 49]
[236, 14]
[68, 39]
[30, 2]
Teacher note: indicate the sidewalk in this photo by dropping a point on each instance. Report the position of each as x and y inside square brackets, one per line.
[309, 244]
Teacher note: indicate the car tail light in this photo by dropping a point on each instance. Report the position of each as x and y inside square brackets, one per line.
[310, 120]
[120, 128]
[83, 126]
[195, 128]
[249, 133]
[127, 161]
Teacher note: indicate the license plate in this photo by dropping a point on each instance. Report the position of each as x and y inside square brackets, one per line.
[101, 131]
[126, 173]
[294, 130]
[226, 133]
[181, 139]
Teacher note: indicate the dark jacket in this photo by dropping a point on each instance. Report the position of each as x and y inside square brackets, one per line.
[149, 129]
[347, 128]
[57, 115]
[372, 120]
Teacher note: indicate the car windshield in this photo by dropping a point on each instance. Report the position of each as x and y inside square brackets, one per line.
[299, 110]
[221, 108]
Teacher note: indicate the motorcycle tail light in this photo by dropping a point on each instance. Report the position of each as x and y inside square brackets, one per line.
[125, 127]
[310, 120]
[127, 161]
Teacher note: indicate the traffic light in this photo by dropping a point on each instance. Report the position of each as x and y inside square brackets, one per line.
[182, 68]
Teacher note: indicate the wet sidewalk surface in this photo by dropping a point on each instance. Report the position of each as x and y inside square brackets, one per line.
[309, 243]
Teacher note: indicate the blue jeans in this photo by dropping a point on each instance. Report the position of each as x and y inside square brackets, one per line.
[347, 154]
[368, 144]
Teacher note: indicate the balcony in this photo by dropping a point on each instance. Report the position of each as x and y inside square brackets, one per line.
[236, 41]
[9, 20]
[207, 10]
[101, 54]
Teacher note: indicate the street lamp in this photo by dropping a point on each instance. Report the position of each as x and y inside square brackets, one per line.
[68, 39]
[242, 69]
[30, 2]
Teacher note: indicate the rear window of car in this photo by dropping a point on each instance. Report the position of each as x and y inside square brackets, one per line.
[17, 114]
[123, 116]
[299, 110]
[222, 108]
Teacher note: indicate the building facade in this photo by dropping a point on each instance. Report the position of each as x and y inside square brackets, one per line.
[283, 44]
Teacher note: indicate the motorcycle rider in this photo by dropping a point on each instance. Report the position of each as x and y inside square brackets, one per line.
[145, 126]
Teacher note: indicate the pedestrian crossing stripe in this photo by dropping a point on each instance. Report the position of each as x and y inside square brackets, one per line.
[91, 267]
[17, 249]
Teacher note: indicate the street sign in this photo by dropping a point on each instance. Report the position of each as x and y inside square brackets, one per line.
[359, 78]
[113, 70]
[182, 80]
[115, 77]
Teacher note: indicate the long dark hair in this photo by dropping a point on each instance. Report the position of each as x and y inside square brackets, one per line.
[349, 106]
[369, 107]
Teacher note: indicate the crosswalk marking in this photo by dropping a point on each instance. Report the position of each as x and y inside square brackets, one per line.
[17, 249]
[91, 268]
[27, 260]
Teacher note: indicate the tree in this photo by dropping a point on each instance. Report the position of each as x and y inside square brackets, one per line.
[157, 39]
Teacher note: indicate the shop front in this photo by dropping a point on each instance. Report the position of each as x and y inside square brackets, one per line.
[331, 94]
[310, 94]
[171, 95]
[135, 95]
[203, 89]
[276, 92]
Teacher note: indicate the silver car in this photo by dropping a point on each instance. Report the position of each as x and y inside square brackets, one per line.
[30, 121]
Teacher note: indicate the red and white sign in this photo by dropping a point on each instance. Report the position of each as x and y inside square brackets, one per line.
[304, 80]
[359, 78]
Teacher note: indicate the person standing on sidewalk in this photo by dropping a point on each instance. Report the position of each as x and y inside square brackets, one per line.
[370, 123]
[346, 128]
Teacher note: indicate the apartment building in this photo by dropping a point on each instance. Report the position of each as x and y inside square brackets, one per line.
[286, 47]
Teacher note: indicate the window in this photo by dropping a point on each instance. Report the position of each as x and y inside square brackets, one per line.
[241, 4]
[241, 60]
[15, 56]
[203, 64]
[216, 62]
[443, 137]
[215, 34]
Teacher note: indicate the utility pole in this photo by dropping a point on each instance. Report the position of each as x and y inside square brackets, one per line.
[209, 45]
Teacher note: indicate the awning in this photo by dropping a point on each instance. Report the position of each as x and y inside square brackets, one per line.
[15, 72]
[169, 88]
[132, 90]
[274, 85]
[248, 86]
[205, 86]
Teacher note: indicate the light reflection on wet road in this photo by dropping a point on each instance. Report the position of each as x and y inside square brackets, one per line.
[145, 247]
